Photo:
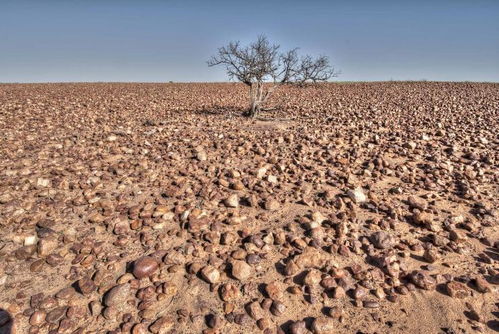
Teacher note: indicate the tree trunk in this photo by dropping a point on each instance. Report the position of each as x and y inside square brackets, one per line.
[255, 97]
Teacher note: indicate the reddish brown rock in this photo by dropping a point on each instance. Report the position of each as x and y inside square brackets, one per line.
[145, 267]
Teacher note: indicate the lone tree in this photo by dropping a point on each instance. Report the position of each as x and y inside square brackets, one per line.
[262, 67]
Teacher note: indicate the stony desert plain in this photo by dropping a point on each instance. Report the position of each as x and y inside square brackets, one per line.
[157, 208]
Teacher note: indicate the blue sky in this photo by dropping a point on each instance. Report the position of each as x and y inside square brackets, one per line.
[149, 41]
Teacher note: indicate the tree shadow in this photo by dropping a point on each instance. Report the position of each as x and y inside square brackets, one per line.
[6, 322]
[218, 110]
[231, 111]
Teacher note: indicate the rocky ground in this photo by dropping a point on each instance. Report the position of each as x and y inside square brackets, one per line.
[157, 208]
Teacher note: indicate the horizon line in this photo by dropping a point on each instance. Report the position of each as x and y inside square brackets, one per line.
[232, 82]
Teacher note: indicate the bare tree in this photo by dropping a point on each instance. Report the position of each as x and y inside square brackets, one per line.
[262, 67]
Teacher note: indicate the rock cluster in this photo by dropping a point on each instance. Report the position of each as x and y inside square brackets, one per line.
[156, 208]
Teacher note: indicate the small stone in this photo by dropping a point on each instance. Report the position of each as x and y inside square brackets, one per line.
[213, 321]
[456, 235]
[417, 202]
[95, 308]
[339, 292]
[431, 255]
[42, 182]
[37, 318]
[201, 156]
[210, 274]
[272, 179]
[370, 304]
[357, 195]
[298, 327]
[260, 173]
[323, 325]
[271, 204]
[335, 312]
[66, 293]
[140, 329]
[254, 310]
[263, 323]
[291, 268]
[274, 290]
[110, 313]
[47, 246]
[145, 266]
[162, 325]
[360, 293]
[232, 201]
[56, 314]
[86, 285]
[382, 240]
[118, 295]
[457, 290]
[229, 292]
[5, 198]
[423, 280]
[423, 218]
[318, 217]
[30, 240]
[253, 259]
[482, 285]
[277, 308]
[241, 270]
[37, 266]
[313, 277]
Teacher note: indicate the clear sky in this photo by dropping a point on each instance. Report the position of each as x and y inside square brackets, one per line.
[146, 41]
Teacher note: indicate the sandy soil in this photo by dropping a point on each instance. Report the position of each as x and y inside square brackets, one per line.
[157, 208]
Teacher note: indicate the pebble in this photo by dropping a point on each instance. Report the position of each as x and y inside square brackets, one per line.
[457, 290]
[271, 204]
[210, 274]
[417, 202]
[162, 325]
[431, 255]
[382, 240]
[482, 285]
[232, 201]
[275, 290]
[298, 327]
[37, 318]
[56, 314]
[313, 277]
[423, 280]
[118, 295]
[46, 246]
[277, 308]
[145, 267]
[323, 325]
[357, 195]
[241, 270]
[86, 285]
[254, 310]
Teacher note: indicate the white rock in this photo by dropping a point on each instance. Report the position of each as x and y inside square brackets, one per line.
[357, 195]
[30, 240]
[41, 182]
[232, 201]
[260, 173]
[272, 179]
[201, 156]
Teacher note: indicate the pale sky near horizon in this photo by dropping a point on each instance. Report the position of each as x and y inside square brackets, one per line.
[160, 41]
